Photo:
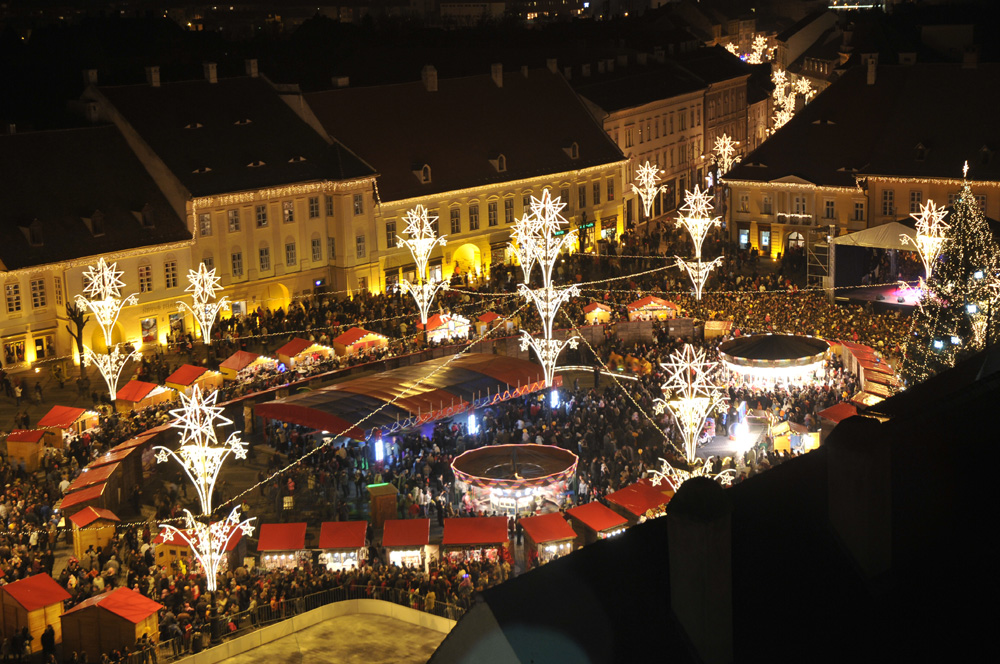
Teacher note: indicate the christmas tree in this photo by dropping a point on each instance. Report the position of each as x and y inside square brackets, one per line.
[956, 314]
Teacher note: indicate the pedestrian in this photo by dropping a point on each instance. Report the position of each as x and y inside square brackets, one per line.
[38, 392]
[17, 394]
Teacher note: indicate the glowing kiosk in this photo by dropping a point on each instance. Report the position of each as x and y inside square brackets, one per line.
[774, 358]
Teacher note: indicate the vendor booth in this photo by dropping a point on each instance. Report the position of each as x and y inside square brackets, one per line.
[834, 415]
[244, 363]
[129, 465]
[407, 542]
[92, 527]
[342, 545]
[35, 602]
[283, 545]
[112, 621]
[165, 553]
[792, 437]
[548, 536]
[596, 313]
[67, 421]
[640, 500]
[717, 328]
[594, 521]
[106, 476]
[475, 538]
[26, 447]
[356, 340]
[95, 495]
[382, 503]
[302, 352]
[188, 376]
[138, 394]
[652, 308]
[443, 327]
[490, 320]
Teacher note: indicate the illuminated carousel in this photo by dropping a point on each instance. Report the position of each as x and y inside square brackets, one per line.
[774, 358]
[515, 479]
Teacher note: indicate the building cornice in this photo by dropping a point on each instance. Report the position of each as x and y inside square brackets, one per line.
[108, 256]
[798, 186]
[269, 193]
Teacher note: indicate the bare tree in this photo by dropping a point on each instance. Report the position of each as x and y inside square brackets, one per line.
[78, 317]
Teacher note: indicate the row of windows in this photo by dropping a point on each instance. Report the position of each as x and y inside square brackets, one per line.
[681, 155]
[260, 214]
[916, 199]
[799, 206]
[264, 256]
[649, 129]
[39, 298]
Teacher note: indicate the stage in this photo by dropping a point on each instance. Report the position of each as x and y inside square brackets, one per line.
[892, 297]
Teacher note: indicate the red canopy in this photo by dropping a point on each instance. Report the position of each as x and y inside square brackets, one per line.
[60, 417]
[294, 347]
[353, 335]
[282, 537]
[36, 592]
[476, 530]
[239, 360]
[651, 300]
[114, 456]
[406, 533]
[548, 528]
[595, 305]
[488, 317]
[136, 390]
[187, 374]
[91, 476]
[25, 436]
[597, 517]
[89, 514]
[122, 602]
[638, 498]
[82, 496]
[342, 534]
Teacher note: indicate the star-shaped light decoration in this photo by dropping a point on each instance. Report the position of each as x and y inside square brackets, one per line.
[203, 283]
[932, 233]
[203, 287]
[648, 177]
[675, 477]
[756, 55]
[696, 217]
[733, 48]
[421, 242]
[209, 542]
[693, 393]
[103, 281]
[110, 364]
[725, 153]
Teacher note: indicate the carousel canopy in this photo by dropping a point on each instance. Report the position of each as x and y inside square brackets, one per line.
[514, 467]
[475, 530]
[36, 592]
[773, 354]
[406, 532]
[550, 527]
[282, 537]
[342, 534]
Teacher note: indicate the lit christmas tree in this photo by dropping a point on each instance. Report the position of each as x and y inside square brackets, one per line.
[959, 293]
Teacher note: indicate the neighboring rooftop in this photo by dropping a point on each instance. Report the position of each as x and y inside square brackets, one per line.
[637, 85]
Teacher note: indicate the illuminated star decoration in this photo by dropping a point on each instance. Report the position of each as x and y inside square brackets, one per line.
[647, 175]
[733, 48]
[675, 477]
[110, 364]
[932, 233]
[756, 55]
[693, 393]
[697, 218]
[103, 281]
[725, 153]
[203, 287]
[698, 272]
[209, 542]
[784, 97]
[421, 242]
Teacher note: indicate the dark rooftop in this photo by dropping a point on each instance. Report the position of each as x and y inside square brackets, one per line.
[637, 86]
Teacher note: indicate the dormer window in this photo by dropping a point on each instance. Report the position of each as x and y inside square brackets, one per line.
[194, 125]
[499, 162]
[921, 152]
[297, 160]
[573, 150]
[95, 223]
[202, 170]
[425, 174]
[145, 216]
[33, 233]
[985, 155]
[244, 122]
[255, 164]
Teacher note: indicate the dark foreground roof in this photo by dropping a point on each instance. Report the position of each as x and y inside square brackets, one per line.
[62, 177]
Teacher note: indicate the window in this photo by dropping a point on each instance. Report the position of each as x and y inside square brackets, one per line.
[314, 207]
[597, 193]
[261, 213]
[508, 210]
[435, 223]
[317, 249]
[390, 234]
[501, 163]
[170, 273]
[582, 195]
[699, 116]
[829, 209]
[981, 199]
[526, 203]
[916, 198]
[671, 123]
[145, 278]
[456, 220]
[682, 120]
[563, 197]
[332, 250]
[425, 174]
[888, 202]
[359, 246]
[799, 205]
[290, 257]
[208, 262]
[362, 283]
[57, 288]
[611, 189]
[859, 210]
[205, 224]
[237, 263]
[37, 293]
[288, 211]
[473, 217]
[234, 220]
[264, 254]
[744, 202]
[628, 137]
[491, 211]
[329, 206]
[359, 204]
[13, 297]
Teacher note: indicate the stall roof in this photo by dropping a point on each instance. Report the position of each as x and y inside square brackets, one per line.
[282, 537]
[239, 360]
[114, 456]
[186, 374]
[475, 530]
[595, 305]
[136, 390]
[638, 498]
[406, 533]
[550, 527]
[597, 517]
[651, 300]
[438, 320]
[60, 417]
[489, 317]
[342, 534]
[140, 438]
[91, 476]
[353, 335]
[294, 347]
[36, 591]
[26, 435]
[89, 515]
[122, 602]
[82, 496]
[839, 412]
[880, 367]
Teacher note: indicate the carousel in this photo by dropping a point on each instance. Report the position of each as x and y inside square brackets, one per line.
[515, 479]
[774, 359]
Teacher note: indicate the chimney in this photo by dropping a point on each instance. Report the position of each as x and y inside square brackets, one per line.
[153, 76]
[429, 75]
[553, 65]
[496, 71]
[251, 67]
[524, 71]
[641, 58]
[568, 73]
[585, 70]
[860, 492]
[211, 72]
[340, 81]
[699, 530]
[659, 55]
[90, 77]
[970, 58]
[872, 68]
[623, 61]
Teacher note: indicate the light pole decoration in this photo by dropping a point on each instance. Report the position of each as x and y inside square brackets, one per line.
[725, 154]
[932, 233]
[536, 235]
[102, 282]
[697, 219]
[675, 477]
[784, 97]
[421, 242]
[756, 56]
[693, 393]
[209, 542]
[698, 272]
[647, 175]
[203, 286]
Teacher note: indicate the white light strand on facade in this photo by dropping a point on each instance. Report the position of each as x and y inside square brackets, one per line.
[932, 233]
[698, 272]
[538, 243]
[756, 55]
[203, 287]
[648, 176]
[697, 218]
[421, 242]
[725, 153]
[208, 542]
[675, 477]
[784, 95]
[693, 393]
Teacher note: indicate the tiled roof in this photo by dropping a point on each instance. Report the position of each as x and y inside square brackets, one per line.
[637, 86]
[225, 127]
[713, 65]
[532, 121]
[61, 178]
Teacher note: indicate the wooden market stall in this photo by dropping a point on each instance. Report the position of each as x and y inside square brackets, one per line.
[35, 602]
[652, 308]
[187, 376]
[717, 328]
[548, 536]
[490, 320]
[106, 476]
[67, 421]
[342, 544]
[302, 351]
[92, 495]
[112, 621]
[138, 394]
[26, 447]
[283, 545]
[594, 521]
[129, 467]
[443, 327]
[640, 499]
[407, 541]
[382, 503]
[597, 313]
[790, 436]
[356, 340]
[243, 363]
[834, 415]
[92, 526]
[475, 538]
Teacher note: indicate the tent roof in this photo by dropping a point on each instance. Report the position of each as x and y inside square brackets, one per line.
[488, 317]
[475, 530]
[60, 417]
[885, 236]
[595, 305]
[135, 390]
[652, 301]
[342, 534]
[294, 347]
[25, 436]
[597, 517]
[82, 496]
[550, 527]
[406, 532]
[186, 374]
[353, 335]
[91, 476]
[122, 602]
[282, 537]
[638, 498]
[90, 514]
[36, 592]
[241, 359]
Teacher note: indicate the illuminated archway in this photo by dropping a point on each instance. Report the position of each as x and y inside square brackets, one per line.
[466, 258]
[97, 339]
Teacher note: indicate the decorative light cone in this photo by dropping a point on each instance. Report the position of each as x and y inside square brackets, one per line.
[203, 286]
[693, 394]
[421, 240]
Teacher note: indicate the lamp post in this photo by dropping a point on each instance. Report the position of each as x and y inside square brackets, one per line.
[932, 233]
[421, 242]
